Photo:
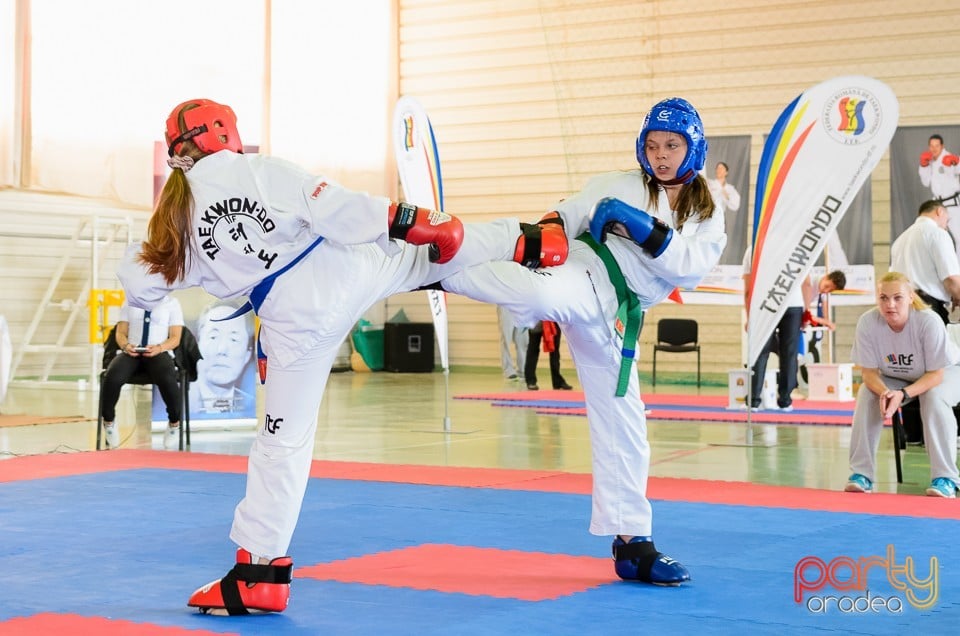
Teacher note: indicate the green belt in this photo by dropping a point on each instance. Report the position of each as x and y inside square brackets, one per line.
[629, 313]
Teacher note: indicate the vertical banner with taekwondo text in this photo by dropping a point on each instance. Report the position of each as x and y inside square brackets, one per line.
[819, 153]
[418, 163]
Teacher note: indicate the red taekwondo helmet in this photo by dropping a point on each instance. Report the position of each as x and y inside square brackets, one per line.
[676, 115]
[210, 125]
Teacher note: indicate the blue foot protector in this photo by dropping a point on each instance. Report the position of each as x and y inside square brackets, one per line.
[640, 561]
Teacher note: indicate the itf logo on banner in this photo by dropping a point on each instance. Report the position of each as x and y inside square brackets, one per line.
[813, 580]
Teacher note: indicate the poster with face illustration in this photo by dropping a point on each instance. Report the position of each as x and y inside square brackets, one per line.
[226, 385]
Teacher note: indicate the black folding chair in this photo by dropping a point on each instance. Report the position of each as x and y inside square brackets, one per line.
[677, 335]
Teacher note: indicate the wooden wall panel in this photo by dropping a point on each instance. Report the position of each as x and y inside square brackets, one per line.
[530, 98]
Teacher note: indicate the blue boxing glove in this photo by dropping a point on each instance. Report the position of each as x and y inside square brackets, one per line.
[613, 215]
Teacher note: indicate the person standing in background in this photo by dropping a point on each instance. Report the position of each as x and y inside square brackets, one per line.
[549, 332]
[940, 171]
[514, 341]
[926, 255]
[785, 341]
[724, 193]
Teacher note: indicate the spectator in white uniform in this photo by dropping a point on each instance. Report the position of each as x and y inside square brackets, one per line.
[940, 171]
[724, 193]
[924, 253]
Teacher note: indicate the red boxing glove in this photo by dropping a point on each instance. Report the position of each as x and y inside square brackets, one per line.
[420, 226]
[926, 158]
[807, 319]
[951, 160]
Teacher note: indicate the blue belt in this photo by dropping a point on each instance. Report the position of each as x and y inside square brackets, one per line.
[259, 294]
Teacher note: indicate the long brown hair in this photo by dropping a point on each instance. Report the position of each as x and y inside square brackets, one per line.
[695, 199]
[167, 248]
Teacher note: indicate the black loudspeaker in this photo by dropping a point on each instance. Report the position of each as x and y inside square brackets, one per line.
[408, 347]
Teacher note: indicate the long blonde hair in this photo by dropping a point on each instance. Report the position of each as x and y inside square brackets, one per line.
[896, 277]
[167, 248]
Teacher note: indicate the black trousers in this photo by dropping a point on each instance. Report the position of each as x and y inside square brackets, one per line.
[533, 357]
[160, 369]
[936, 305]
[785, 340]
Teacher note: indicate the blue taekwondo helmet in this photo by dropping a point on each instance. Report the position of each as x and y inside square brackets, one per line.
[676, 115]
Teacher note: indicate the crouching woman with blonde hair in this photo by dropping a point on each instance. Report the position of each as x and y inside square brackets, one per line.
[905, 352]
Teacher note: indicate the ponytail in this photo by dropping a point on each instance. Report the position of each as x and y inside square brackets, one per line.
[165, 251]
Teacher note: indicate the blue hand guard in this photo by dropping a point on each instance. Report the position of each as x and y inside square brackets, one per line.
[613, 215]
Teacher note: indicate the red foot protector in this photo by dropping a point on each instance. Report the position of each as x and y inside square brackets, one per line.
[527, 576]
[543, 244]
[270, 591]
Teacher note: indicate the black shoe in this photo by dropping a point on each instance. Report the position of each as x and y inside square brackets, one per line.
[533, 387]
[563, 387]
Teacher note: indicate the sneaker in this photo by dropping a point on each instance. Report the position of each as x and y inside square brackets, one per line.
[112, 432]
[942, 487]
[859, 483]
[758, 407]
[171, 438]
[533, 387]
[786, 409]
[563, 386]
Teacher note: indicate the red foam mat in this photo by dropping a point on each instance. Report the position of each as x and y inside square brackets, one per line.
[528, 576]
[49, 623]
[664, 488]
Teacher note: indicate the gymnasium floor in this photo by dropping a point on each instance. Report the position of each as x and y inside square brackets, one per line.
[399, 419]
[407, 529]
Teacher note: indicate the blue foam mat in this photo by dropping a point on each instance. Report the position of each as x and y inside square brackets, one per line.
[134, 544]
